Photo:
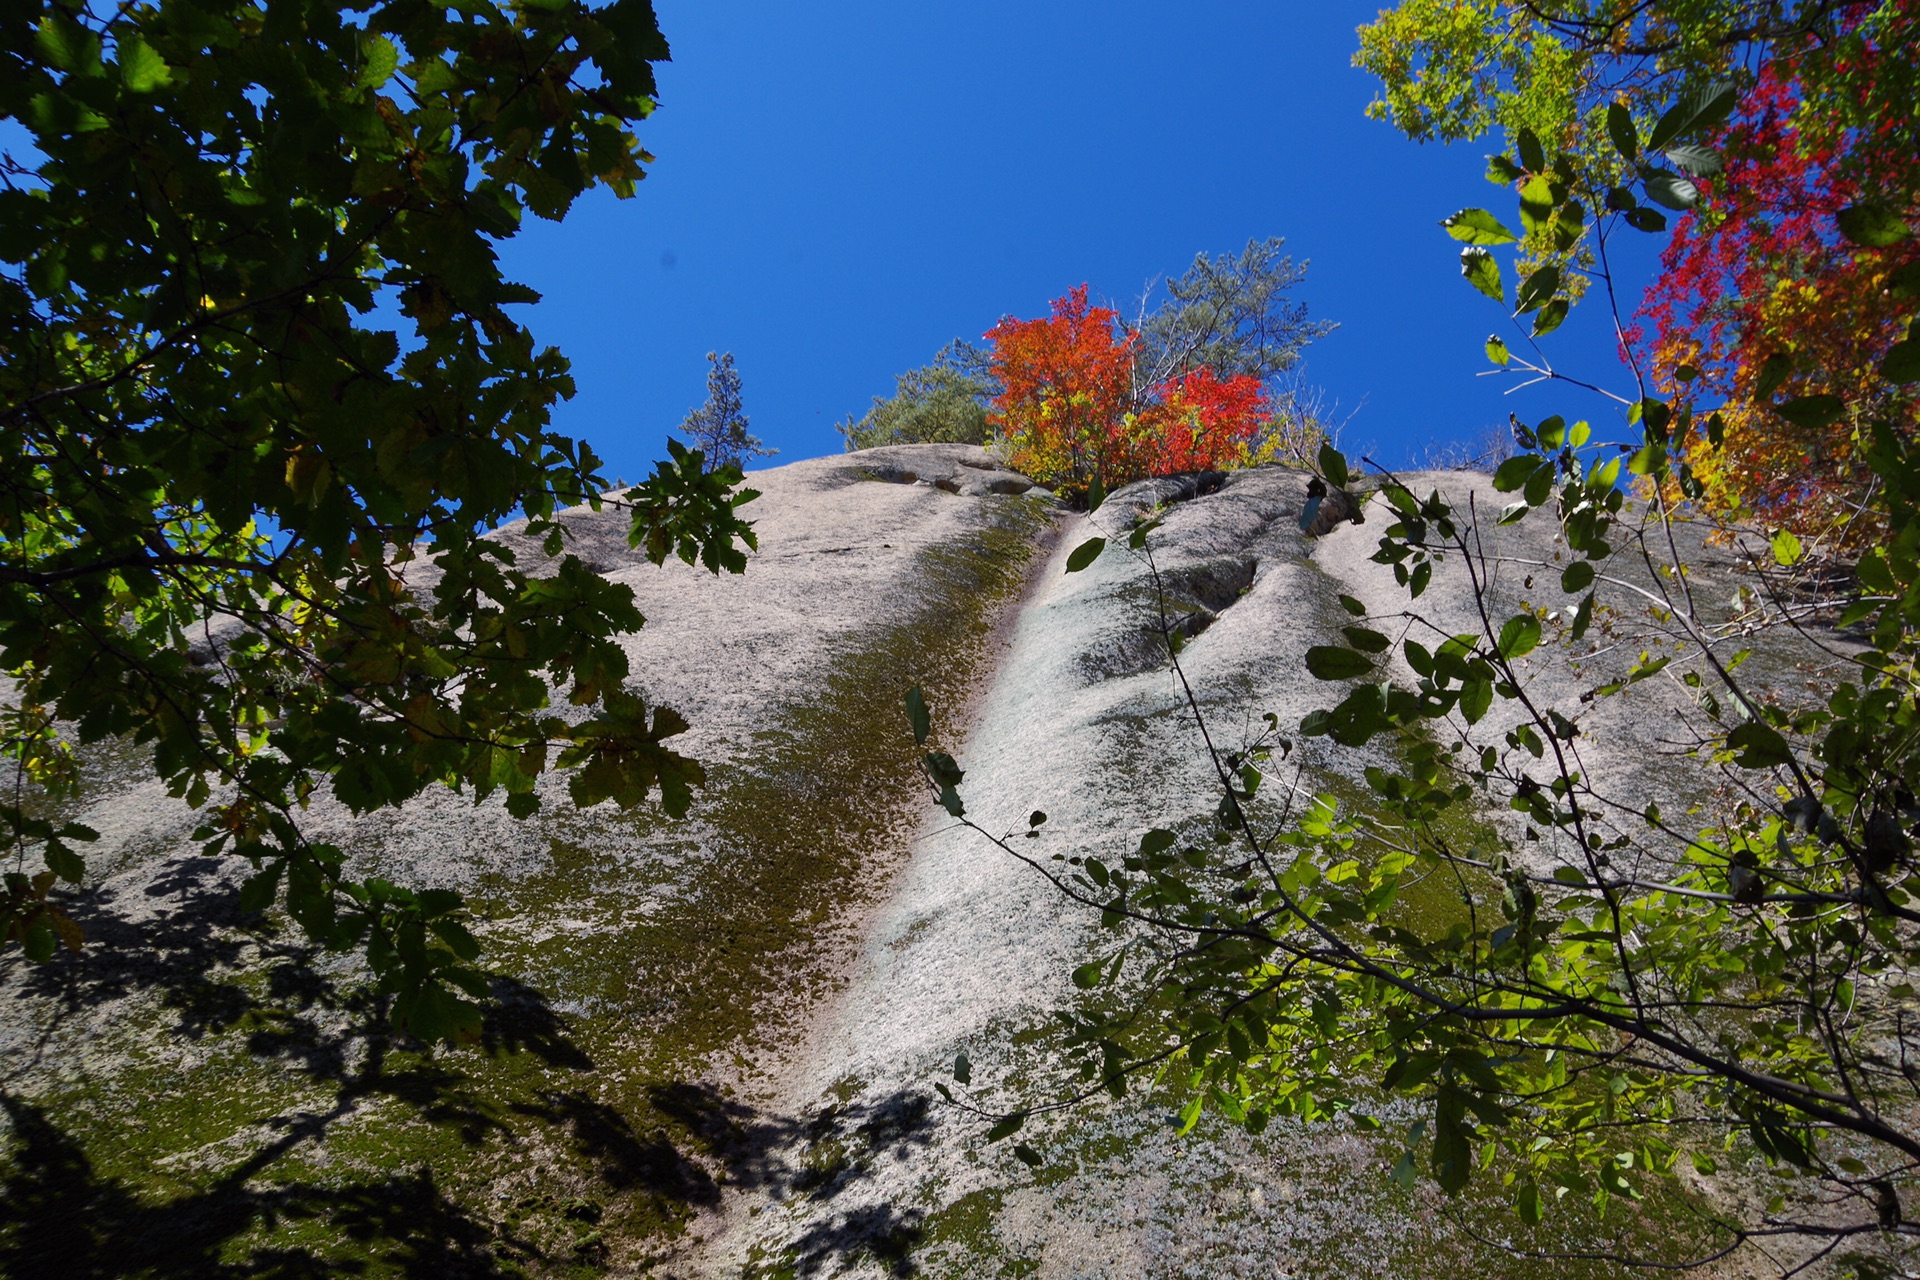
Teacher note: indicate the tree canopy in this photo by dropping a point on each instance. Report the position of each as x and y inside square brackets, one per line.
[247, 520]
[718, 428]
[939, 403]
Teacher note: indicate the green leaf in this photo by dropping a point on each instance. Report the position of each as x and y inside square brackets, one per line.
[1902, 364]
[379, 58]
[1365, 640]
[257, 891]
[1620, 128]
[1532, 155]
[1670, 189]
[1760, 746]
[1502, 171]
[1497, 351]
[1520, 635]
[963, 1068]
[1026, 1155]
[1538, 288]
[1333, 465]
[1550, 317]
[1539, 486]
[1476, 698]
[1577, 577]
[918, 717]
[1582, 618]
[1877, 226]
[1698, 112]
[1482, 272]
[1515, 471]
[1811, 411]
[1353, 606]
[1773, 371]
[1696, 161]
[1087, 976]
[141, 69]
[1477, 226]
[1334, 662]
[1786, 547]
[1527, 1202]
[1007, 1127]
[1085, 554]
[1645, 219]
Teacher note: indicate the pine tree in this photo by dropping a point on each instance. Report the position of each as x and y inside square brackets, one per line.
[718, 428]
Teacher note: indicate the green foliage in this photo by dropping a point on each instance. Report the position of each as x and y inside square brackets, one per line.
[1231, 313]
[226, 471]
[939, 403]
[718, 428]
[1598, 990]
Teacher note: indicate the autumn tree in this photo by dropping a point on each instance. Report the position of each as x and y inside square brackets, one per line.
[231, 469]
[1072, 413]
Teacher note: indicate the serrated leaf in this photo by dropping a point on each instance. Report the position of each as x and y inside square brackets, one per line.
[1786, 548]
[1670, 189]
[1502, 171]
[1497, 351]
[1520, 635]
[379, 58]
[1698, 112]
[1697, 161]
[1478, 226]
[141, 69]
[1482, 272]
[1085, 554]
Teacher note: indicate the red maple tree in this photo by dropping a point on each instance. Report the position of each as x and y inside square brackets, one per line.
[1071, 415]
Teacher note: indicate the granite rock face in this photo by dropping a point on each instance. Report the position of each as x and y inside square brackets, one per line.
[716, 1051]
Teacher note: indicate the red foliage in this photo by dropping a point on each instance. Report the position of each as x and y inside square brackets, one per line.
[1761, 271]
[1070, 415]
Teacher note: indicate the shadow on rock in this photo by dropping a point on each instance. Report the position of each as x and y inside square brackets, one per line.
[59, 1219]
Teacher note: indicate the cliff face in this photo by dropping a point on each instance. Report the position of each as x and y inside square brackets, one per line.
[717, 1045]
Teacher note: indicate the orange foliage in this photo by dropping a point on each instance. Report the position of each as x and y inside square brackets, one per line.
[1070, 416]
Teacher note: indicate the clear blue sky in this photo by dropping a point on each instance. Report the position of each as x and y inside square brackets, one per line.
[843, 185]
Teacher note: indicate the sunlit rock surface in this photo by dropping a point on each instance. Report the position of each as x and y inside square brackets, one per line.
[718, 1039]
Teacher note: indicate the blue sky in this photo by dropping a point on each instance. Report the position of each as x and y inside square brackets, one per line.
[842, 186]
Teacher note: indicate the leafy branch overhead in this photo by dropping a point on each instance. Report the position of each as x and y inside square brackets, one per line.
[1576, 994]
[249, 523]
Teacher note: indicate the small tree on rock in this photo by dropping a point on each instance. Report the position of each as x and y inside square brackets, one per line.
[718, 428]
